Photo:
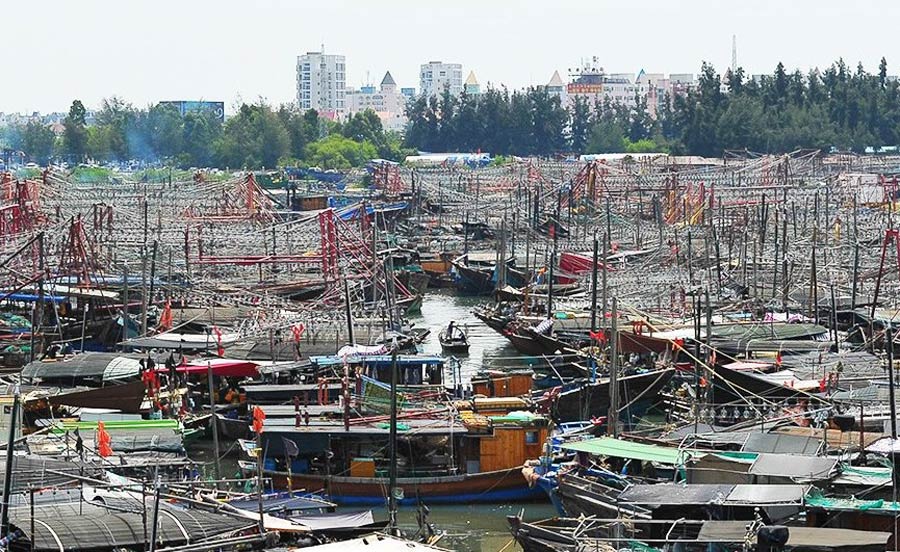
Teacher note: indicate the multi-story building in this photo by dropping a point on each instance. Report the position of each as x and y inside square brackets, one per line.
[435, 76]
[388, 102]
[471, 85]
[594, 84]
[556, 87]
[321, 82]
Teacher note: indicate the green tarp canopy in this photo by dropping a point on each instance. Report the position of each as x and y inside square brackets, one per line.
[608, 446]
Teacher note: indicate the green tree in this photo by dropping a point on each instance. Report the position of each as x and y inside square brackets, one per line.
[201, 133]
[38, 141]
[607, 137]
[339, 152]
[159, 133]
[254, 138]
[580, 123]
[75, 135]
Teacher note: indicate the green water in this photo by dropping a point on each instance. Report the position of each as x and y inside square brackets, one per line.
[487, 348]
[481, 527]
[476, 528]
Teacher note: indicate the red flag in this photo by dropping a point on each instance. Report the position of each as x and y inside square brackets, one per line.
[258, 418]
[219, 349]
[165, 319]
[297, 330]
[103, 441]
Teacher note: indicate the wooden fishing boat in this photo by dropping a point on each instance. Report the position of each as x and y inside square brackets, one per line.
[453, 339]
[473, 280]
[127, 397]
[587, 400]
[441, 462]
[504, 485]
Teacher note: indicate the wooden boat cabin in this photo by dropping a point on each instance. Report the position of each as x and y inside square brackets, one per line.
[503, 384]
[438, 460]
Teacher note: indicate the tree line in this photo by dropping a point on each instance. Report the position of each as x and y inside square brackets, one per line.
[836, 108]
[257, 136]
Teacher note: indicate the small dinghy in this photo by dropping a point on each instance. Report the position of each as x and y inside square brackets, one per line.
[453, 339]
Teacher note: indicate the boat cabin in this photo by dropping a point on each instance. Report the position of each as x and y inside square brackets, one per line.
[426, 447]
[412, 370]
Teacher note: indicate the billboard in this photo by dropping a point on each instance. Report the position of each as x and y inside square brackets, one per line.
[190, 106]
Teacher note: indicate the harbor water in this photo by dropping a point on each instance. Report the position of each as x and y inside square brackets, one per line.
[487, 348]
[478, 527]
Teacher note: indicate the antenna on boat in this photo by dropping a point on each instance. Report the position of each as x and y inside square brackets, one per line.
[349, 315]
[613, 415]
[7, 477]
[392, 485]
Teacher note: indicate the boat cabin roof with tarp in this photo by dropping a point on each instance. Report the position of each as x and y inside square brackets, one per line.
[88, 526]
[674, 494]
[618, 448]
[85, 367]
[411, 369]
[815, 538]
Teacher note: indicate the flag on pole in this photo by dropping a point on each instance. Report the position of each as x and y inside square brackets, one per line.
[104, 441]
[297, 330]
[165, 319]
[219, 349]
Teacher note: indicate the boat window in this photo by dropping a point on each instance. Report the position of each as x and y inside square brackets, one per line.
[531, 437]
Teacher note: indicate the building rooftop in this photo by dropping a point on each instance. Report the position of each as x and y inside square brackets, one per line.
[388, 80]
[555, 80]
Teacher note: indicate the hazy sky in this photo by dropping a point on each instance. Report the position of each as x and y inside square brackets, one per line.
[146, 51]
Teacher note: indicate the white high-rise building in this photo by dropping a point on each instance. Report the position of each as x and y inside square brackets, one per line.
[434, 76]
[321, 82]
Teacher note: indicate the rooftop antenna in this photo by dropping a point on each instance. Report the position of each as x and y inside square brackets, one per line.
[734, 64]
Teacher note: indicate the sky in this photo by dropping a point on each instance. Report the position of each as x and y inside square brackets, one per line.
[231, 51]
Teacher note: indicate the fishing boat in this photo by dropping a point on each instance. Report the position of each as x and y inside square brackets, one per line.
[453, 339]
[439, 461]
[580, 400]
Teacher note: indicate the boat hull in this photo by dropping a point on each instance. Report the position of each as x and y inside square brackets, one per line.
[489, 487]
[473, 281]
[592, 400]
[455, 348]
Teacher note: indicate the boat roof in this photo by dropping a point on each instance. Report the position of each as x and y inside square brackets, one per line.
[171, 340]
[775, 331]
[704, 493]
[89, 526]
[879, 506]
[405, 427]
[281, 502]
[794, 466]
[620, 448]
[108, 366]
[377, 360]
[798, 537]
